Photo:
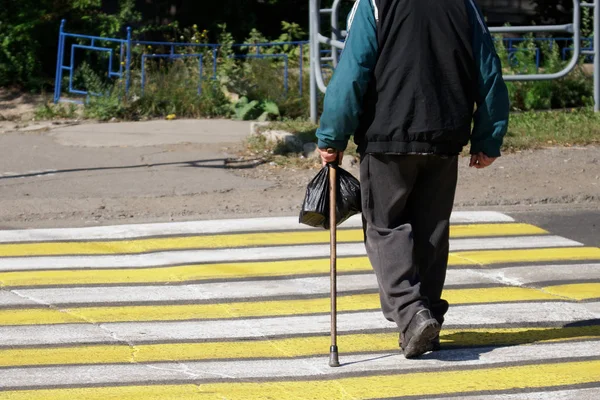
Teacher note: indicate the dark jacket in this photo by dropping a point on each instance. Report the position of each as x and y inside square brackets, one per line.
[409, 78]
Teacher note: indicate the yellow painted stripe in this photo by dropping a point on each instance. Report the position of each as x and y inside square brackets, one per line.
[529, 255]
[279, 348]
[386, 386]
[360, 302]
[274, 268]
[236, 240]
[578, 291]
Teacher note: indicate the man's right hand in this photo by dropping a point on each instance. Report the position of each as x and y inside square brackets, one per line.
[330, 156]
[480, 161]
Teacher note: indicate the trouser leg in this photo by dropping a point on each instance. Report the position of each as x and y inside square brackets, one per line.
[387, 182]
[430, 207]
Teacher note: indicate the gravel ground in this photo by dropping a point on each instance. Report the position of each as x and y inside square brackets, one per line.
[49, 181]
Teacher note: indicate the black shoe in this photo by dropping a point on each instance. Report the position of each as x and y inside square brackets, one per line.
[418, 337]
[435, 343]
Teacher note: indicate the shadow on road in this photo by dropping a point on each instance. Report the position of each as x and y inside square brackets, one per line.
[222, 163]
[470, 345]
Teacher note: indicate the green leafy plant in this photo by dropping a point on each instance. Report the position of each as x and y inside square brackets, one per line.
[49, 111]
[261, 110]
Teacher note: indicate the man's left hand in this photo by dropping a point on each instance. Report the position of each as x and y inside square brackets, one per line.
[480, 161]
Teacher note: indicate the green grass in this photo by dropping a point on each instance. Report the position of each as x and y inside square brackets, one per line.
[533, 130]
[527, 130]
[49, 111]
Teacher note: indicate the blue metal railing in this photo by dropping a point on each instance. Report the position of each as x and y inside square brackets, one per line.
[122, 51]
[125, 58]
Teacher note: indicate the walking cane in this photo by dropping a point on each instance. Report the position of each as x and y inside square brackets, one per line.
[333, 351]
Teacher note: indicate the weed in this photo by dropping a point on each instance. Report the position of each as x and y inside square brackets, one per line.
[50, 111]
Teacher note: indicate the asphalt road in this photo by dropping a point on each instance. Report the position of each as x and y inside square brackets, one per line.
[580, 225]
[239, 309]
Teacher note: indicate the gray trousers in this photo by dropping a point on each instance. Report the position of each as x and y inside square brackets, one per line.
[407, 203]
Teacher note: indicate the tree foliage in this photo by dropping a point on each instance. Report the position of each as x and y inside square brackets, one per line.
[29, 28]
[554, 11]
[29, 33]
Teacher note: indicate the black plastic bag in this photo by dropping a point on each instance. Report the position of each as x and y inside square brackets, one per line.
[315, 209]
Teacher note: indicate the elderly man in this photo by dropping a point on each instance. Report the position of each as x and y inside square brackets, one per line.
[406, 87]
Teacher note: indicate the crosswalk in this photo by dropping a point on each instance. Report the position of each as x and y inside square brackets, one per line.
[239, 309]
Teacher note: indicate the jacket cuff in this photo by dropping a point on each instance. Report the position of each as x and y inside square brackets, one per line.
[339, 145]
[490, 147]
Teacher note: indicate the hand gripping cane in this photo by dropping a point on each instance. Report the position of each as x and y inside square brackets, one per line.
[333, 351]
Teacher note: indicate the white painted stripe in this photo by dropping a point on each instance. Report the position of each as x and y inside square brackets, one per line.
[225, 291]
[222, 291]
[574, 394]
[256, 254]
[8, 299]
[130, 332]
[593, 307]
[207, 228]
[288, 368]
[527, 275]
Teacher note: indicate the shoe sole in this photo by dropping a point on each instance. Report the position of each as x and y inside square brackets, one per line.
[421, 343]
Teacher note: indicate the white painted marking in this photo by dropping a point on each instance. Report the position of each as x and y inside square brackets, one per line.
[8, 299]
[222, 291]
[574, 394]
[255, 254]
[288, 368]
[208, 227]
[527, 275]
[458, 316]
[593, 307]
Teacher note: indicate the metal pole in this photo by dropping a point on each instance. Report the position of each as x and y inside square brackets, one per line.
[286, 75]
[59, 62]
[143, 73]
[301, 67]
[128, 62]
[314, 13]
[201, 62]
[335, 31]
[597, 56]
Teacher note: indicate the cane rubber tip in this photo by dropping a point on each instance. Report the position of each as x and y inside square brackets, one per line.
[333, 357]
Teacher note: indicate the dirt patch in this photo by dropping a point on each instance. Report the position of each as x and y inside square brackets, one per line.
[16, 105]
[58, 185]
[547, 176]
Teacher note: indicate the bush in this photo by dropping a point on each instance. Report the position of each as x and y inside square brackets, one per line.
[574, 90]
[29, 32]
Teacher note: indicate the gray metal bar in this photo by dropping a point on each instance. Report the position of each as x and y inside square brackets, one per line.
[527, 29]
[576, 26]
[314, 99]
[316, 25]
[597, 56]
[335, 30]
[330, 42]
